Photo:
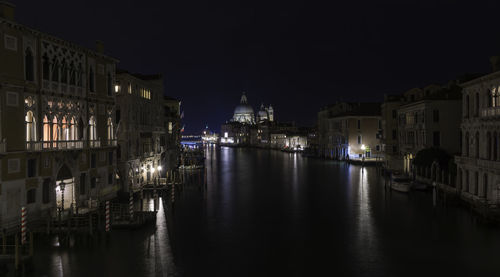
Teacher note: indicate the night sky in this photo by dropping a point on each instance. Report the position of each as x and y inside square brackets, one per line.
[295, 55]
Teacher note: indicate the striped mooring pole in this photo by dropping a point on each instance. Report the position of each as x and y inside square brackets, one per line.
[23, 225]
[173, 192]
[107, 216]
[131, 204]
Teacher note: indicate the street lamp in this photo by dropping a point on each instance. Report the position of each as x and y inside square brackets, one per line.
[62, 187]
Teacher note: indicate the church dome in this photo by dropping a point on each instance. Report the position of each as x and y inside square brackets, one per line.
[244, 112]
[243, 109]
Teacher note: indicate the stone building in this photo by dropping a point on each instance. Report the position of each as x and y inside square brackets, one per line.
[390, 133]
[429, 117]
[146, 121]
[245, 128]
[478, 172]
[350, 131]
[57, 122]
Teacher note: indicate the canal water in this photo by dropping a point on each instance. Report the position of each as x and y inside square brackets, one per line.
[268, 213]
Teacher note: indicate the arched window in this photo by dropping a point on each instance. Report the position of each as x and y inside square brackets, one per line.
[485, 185]
[55, 71]
[476, 143]
[28, 65]
[80, 129]
[491, 98]
[466, 145]
[72, 78]
[65, 129]
[495, 146]
[476, 185]
[64, 72]
[92, 129]
[110, 129]
[73, 129]
[46, 68]
[488, 145]
[91, 79]
[79, 75]
[55, 130]
[476, 102]
[467, 105]
[30, 126]
[467, 182]
[109, 84]
[46, 132]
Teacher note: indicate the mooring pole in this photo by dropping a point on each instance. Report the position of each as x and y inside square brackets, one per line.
[16, 253]
[31, 244]
[4, 243]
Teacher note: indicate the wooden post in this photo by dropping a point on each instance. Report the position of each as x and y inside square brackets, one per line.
[31, 244]
[4, 243]
[23, 225]
[16, 253]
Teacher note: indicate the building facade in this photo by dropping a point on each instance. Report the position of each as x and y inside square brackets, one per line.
[429, 117]
[478, 166]
[141, 128]
[350, 131]
[57, 115]
[390, 133]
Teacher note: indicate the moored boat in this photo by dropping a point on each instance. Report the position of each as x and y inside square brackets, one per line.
[401, 184]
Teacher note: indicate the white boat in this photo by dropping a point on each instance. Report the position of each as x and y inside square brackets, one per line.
[401, 184]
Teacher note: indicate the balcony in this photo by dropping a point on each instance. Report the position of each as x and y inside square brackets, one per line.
[490, 112]
[94, 143]
[112, 142]
[489, 164]
[54, 145]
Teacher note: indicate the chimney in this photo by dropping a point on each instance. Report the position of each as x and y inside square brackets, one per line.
[495, 63]
[99, 46]
[7, 10]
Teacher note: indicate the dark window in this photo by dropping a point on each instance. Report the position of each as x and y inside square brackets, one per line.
[79, 75]
[72, 73]
[31, 196]
[93, 160]
[118, 116]
[93, 182]
[110, 158]
[436, 138]
[359, 139]
[64, 72]
[109, 85]
[82, 183]
[31, 168]
[435, 115]
[467, 106]
[55, 71]
[110, 178]
[476, 110]
[91, 80]
[46, 191]
[394, 149]
[359, 124]
[28, 65]
[394, 114]
[394, 134]
[46, 68]
[380, 124]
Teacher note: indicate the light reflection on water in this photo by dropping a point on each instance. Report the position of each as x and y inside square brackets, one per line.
[268, 213]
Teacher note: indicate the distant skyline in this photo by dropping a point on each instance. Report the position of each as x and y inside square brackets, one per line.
[294, 55]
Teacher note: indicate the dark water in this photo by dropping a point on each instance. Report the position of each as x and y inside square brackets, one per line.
[268, 213]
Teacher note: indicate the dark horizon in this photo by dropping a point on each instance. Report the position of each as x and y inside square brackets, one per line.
[294, 56]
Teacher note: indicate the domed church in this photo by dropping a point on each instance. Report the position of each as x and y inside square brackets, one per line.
[243, 113]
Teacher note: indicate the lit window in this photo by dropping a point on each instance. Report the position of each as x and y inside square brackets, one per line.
[30, 126]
